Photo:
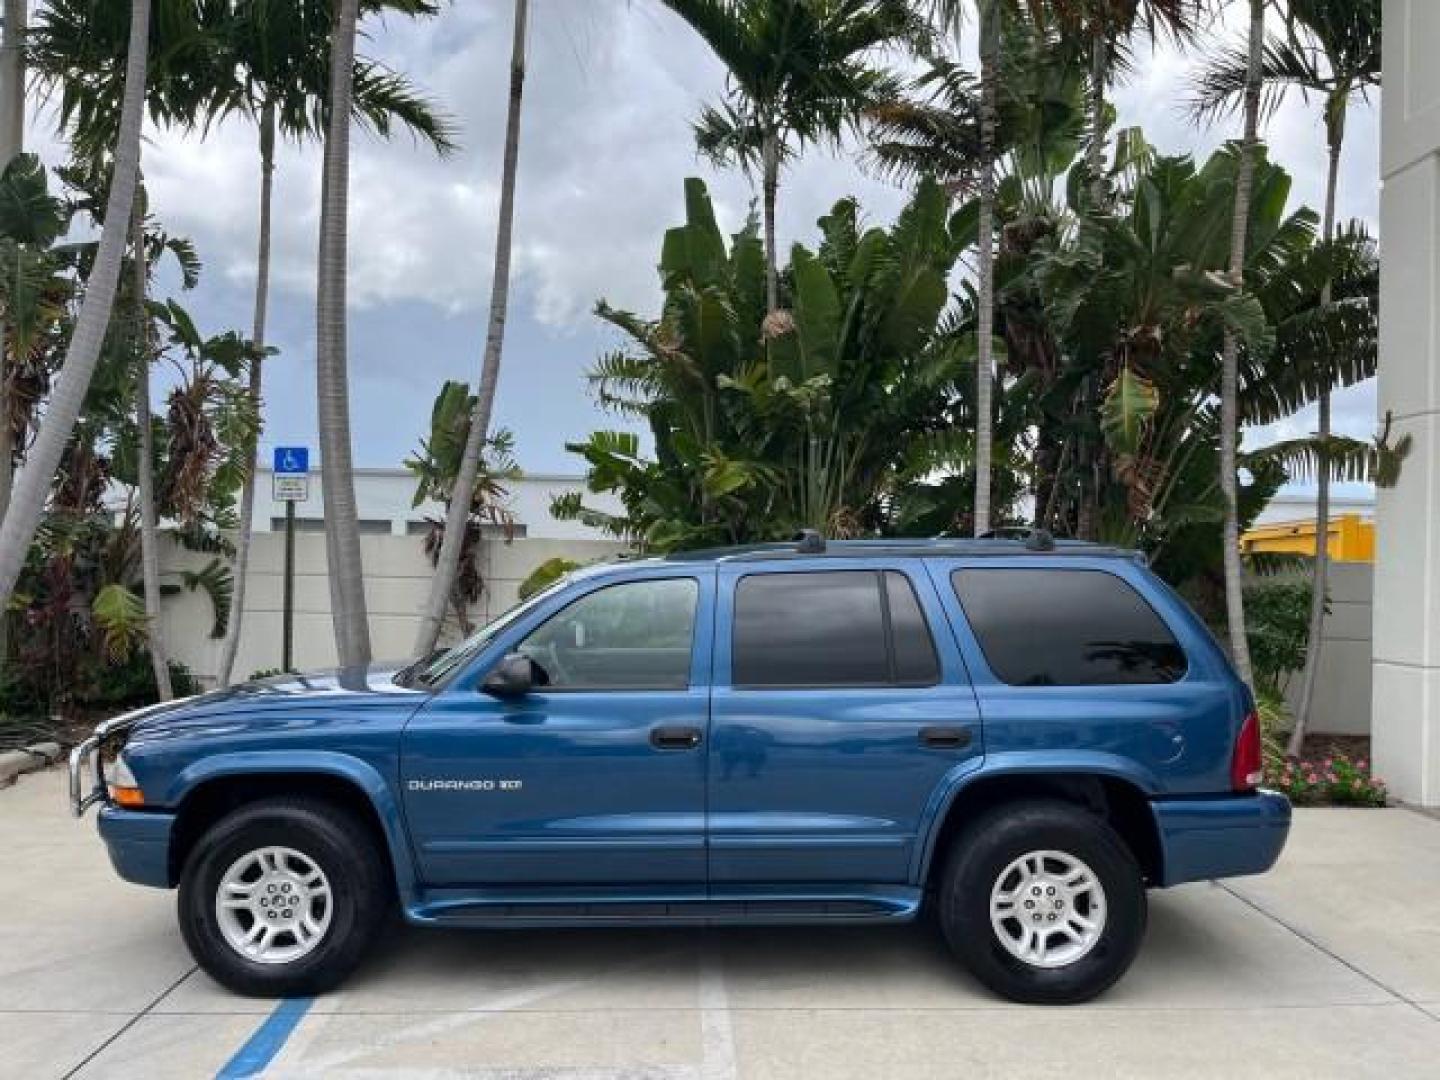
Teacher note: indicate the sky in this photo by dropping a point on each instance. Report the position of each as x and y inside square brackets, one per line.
[611, 90]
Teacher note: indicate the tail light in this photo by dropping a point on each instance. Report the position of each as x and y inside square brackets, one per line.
[1247, 766]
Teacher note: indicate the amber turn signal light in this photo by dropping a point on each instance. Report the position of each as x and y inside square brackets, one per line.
[131, 797]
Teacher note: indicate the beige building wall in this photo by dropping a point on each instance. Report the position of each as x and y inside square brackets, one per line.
[1342, 691]
[397, 578]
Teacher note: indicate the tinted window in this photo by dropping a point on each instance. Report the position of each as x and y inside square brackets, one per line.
[915, 660]
[829, 629]
[632, 636]
[1066, 628]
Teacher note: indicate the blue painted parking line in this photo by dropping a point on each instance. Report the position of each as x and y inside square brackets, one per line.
[260, 1049]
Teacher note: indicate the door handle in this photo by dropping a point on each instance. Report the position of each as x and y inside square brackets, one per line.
[675, 738]
[945, 738]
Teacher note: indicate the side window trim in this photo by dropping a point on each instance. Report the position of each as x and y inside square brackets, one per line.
[881, 577]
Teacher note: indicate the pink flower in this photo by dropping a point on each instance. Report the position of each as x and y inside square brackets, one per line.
[1362, 764]
[1329, 763]
[1312, 779]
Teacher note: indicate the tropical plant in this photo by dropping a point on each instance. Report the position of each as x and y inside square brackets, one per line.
[342, 529]
[545, 575]
[759, 435]
[1331, 51]
[272, 66]
[449, 557]
[34, 289]
[1277, 608]
[439, 470]
[799, 72]
[32, 484]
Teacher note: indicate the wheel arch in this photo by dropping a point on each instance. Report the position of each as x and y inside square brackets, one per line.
[1112, 789]
[216, 786]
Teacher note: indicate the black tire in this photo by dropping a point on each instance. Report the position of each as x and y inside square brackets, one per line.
[328, 835]
[983, 851]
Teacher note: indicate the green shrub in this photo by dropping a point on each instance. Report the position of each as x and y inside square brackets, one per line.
[1277, 623]
[548, 572]
[129, 683]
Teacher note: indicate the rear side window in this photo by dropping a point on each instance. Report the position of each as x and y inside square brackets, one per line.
[1066, 628]
[831, 628]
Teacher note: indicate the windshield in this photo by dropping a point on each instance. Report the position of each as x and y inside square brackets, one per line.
[436, 669]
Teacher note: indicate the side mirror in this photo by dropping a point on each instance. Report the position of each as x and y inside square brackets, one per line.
[513, 676]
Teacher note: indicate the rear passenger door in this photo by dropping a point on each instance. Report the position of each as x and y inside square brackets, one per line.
[840, 702]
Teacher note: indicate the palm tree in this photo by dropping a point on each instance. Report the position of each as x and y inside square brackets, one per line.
[145, 461]
[274, 68]
[1230, 355]
[447, 560]
[33, 482]
[12, 84]
[990, 16]
[12, 143]
[342, 531]
[1331, 50]
[798, 74]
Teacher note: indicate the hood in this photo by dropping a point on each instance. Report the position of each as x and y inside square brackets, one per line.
[360, 685]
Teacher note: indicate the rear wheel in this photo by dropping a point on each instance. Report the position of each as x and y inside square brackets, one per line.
[1044, 902]
[282, 897]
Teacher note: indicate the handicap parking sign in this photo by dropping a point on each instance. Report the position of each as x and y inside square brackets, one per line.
[292, 460]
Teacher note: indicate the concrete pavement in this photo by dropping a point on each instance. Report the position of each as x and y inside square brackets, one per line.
[1328, 966]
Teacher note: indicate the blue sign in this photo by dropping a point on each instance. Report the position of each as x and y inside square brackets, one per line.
[292, 461]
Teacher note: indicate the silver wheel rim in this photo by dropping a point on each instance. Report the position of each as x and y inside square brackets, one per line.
[1047, 909]
[273, 905]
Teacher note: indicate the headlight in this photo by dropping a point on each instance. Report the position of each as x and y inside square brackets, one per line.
[123, 787]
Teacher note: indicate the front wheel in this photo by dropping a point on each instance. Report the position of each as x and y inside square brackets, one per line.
[282, 897]
[1043, 902]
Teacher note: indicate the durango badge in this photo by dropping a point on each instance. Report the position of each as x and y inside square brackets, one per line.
[465, 785]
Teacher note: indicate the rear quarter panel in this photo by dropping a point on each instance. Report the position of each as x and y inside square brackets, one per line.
[1168, 739]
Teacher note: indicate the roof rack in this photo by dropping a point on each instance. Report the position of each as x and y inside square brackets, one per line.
[1034, 539]
[809, 542]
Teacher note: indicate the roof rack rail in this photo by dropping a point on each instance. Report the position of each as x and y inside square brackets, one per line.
[809, 542]
[1035, 539]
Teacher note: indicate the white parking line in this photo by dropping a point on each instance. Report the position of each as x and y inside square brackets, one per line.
[293, 1061]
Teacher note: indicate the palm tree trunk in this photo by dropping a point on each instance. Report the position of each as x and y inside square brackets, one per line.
[1320, 580]
[12, 82]
[257, 335]
[342, 531]
[769, 186]
[1230, 357]
[145, 466]
[12, 142]
[447, 561]
[985, 365]
[1095, 151]
[33, 482]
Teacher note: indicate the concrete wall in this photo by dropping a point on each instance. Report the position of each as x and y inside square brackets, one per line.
[397, 577]
[1406, 701]
[1342, 691]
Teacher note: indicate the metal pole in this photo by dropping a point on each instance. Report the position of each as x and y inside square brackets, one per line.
[288, 625]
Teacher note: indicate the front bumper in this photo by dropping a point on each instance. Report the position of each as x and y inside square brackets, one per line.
[139, 844]
[1224, 836]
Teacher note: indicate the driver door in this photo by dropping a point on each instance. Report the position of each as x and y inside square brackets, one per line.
[594, 777]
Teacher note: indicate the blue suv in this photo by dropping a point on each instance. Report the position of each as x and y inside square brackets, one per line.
[1020, 734]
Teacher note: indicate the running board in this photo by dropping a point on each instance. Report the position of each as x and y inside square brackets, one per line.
[506, 907]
